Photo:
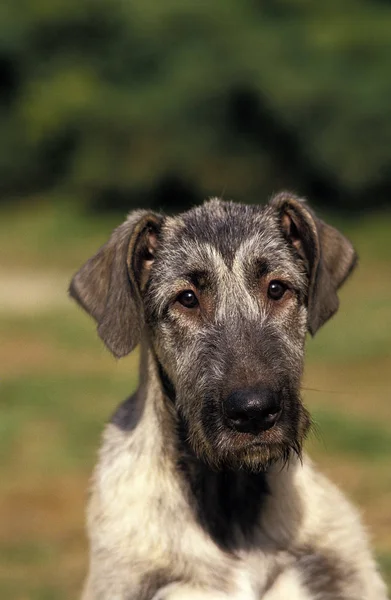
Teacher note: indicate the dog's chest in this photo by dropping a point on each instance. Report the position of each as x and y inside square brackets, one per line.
[141, 515]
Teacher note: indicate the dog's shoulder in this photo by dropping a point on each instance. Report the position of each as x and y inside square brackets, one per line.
[324, 531]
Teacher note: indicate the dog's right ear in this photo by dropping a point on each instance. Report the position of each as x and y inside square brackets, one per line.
[109, 285]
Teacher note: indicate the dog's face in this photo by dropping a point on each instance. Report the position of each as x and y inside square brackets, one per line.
[226, 308]
[224, 294]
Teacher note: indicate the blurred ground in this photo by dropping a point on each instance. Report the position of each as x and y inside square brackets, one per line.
[58, 385]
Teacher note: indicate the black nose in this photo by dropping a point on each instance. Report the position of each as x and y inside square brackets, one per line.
[253, 410]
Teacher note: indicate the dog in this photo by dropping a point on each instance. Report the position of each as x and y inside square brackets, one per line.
[201, 489]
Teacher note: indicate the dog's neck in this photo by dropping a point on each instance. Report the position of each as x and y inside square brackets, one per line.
[226, 503]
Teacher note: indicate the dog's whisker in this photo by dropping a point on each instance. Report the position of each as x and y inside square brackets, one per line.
[324, 391]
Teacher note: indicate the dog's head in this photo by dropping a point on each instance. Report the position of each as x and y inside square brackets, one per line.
[224, 295]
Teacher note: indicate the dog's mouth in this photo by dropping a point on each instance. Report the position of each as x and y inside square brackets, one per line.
[274, 435]
[249, 444]
[255, 449]
[256, 437]
[257, 452]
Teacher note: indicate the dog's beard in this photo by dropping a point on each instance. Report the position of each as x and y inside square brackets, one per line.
[222, 449]
[207, 439]
[226, 451]
[253, 459]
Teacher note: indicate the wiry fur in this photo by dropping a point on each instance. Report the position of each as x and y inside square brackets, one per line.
[183, 507]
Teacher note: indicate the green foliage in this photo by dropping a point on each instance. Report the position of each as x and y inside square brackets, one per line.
[140, 101]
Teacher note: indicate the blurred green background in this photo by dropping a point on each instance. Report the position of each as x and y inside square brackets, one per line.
[106, 105]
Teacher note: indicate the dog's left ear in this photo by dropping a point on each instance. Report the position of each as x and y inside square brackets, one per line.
[328, 255]
[109, 285]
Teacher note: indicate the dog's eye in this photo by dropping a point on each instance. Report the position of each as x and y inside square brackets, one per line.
[276, 290]
[188, 299]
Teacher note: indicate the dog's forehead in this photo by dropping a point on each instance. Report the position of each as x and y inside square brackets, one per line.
[223, 224]
[224, 230]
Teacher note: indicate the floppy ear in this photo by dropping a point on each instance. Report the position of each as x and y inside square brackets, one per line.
[329, 257]
[109, 285]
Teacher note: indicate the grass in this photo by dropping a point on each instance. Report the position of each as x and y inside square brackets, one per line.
[56, 234]
[358, 438]
[58, 385]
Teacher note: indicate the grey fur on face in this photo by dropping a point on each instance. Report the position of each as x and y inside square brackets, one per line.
[227, 254]
[199, 492]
